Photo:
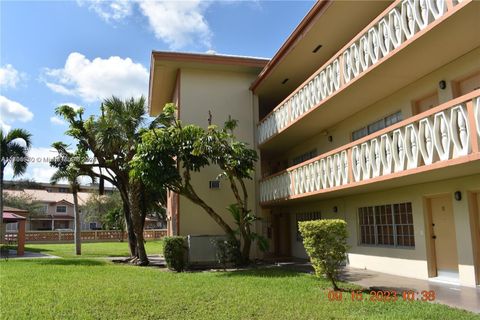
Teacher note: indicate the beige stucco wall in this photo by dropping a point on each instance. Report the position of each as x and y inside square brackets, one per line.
[225, 94]
[52, 208]
[403, 262]
[399, 101]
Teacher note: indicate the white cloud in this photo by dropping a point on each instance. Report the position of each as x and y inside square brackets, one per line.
[98, 78]
[38, 168]
[178, 23]
[57, 121]
[12, 111]
[9, 76]
[109, 10]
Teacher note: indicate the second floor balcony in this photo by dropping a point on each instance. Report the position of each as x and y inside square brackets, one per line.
[444, 139]
[410, 39]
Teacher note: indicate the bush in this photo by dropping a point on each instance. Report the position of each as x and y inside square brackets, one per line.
[326, 243]
[175, 253]
[227, 251]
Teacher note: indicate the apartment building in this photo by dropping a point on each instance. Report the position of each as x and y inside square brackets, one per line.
[369, 112]
[56, 203]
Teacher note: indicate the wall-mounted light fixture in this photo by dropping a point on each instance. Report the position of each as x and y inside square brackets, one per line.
[458, 195]
[442, 84]
[330, 138]
[285, 81]
[335, 209]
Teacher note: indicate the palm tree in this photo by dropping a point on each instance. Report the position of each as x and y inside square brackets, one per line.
[13, 152]
[68, 169]
[112, 139]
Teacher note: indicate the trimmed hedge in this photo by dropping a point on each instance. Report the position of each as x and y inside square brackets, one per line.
[175, 253]
[326, 243]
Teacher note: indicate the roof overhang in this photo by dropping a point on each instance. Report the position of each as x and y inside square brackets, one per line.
[330, 25]
[164, 68]
[12, 217]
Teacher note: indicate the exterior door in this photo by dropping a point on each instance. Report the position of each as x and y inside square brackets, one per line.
[443, 233]
[281, 229]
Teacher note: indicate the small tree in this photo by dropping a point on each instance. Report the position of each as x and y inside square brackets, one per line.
[170, 153]
[67, 165]
[98, 208]
[326, 243]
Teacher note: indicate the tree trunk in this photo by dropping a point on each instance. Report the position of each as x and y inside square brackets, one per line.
[190, 194]
[136, 210]
[78, 230]
[132, 239]
[246, 240]
[2, 225]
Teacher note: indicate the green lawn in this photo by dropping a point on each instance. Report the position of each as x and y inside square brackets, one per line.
[97, 289]
[93, 249]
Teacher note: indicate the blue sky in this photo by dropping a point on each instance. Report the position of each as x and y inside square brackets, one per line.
[78, 52]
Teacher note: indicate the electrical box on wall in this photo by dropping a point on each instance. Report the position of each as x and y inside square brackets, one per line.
[214, 184]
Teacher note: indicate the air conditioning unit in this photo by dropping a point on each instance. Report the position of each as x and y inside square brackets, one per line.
[202, 249]
[214, 184]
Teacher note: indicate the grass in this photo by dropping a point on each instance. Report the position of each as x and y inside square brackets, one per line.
[97, 289]
[93, 249]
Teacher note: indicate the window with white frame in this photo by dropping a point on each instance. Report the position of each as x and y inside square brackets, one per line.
[387, 225]
[377, 125]
[305, 216]
[12, 226]
[61, 209]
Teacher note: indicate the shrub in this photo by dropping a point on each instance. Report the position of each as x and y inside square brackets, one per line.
[227, 251]
[175, 253]
[326, 243]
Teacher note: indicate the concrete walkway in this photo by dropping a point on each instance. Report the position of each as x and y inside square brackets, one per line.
[453, 295]
[12, 254]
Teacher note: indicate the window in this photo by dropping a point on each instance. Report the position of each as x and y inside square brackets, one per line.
[305, 216]
[387, 225]
[45, 208]
[63, 190]
[305, 156]
[61, 209]
[377, 125]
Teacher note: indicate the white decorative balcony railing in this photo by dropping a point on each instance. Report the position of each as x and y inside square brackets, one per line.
[398, 24]
[449, 131]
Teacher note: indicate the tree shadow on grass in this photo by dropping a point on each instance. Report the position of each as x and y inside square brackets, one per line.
[263, 272]
[71, 262]
[37, 250]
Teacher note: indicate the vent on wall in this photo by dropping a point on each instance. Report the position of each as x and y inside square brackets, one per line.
[214, 184]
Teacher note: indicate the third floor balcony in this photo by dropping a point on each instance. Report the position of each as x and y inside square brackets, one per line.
[410, 39]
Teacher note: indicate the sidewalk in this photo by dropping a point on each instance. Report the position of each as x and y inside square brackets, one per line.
[452, 295]
[12, 254]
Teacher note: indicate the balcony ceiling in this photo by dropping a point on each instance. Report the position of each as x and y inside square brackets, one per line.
[338, 24]
[456, 36]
